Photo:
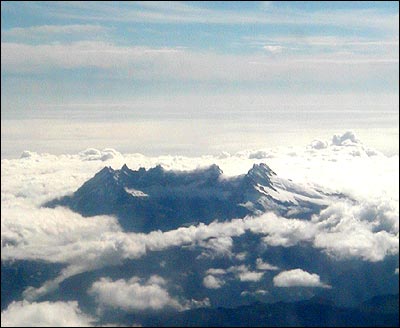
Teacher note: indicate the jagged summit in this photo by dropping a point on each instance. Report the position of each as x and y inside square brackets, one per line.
[261, 174]
[156, 198]
[106, 170]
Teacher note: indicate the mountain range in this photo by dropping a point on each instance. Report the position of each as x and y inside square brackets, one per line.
[158, 199]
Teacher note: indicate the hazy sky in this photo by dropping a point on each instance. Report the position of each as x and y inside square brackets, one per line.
[196, 77]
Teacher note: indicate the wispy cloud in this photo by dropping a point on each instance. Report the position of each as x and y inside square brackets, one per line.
[174, 64]
[52, 30]
[334, 43]
[273, 48]
[172, 12]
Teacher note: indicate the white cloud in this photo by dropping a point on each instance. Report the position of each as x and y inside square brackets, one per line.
[174, 12]
[381, 46]
[298, 278]
[92, 154]
[213, 271]
[212, 282]
[250, 276]
[275, 49]
[174, 64]
[366, 228]
[243, 273]
[44, 314]
[348, 138]
[261, 265]
[258, 292]
[133, 295]
[396, 271]
[34, 31]
[362, 231]
[217, 247]
[318, 144]
[241, 256]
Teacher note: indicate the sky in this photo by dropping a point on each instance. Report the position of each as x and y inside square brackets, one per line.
[196, 78]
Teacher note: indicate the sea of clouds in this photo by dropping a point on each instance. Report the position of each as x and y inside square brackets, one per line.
[365, 225]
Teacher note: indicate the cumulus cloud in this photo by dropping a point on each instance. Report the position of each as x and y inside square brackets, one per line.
[212, 282]
[92, 154]
[318, 144]
[240, 272]
[216, 247]
[298, 278]
[250, 276]
[133, 294]
[358, 230]
[44, 314]
[261, 265]
[243, 273]
[346, 139]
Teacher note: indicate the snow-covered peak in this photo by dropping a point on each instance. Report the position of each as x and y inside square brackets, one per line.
[260, 174]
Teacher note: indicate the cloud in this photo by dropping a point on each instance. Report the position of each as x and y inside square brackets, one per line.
[243, 273]
[347, 231]
[250, 276]
[273, 49]
[213, 271]
[133, 294]
[258, 292]
[212, 282]
[48, 30]
[318, 144]
[177, 64]
[298, 278]
[241, 256]
[240, 272]
[260, 265]
[45, 314]
[365, 228]
[92, 154]
[327, 44]
[396, 271]
[216, 247]
[348, 138]
[183, 13]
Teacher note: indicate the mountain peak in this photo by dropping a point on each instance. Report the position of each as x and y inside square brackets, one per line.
[105, 171]
[212, 172]
[261, 174]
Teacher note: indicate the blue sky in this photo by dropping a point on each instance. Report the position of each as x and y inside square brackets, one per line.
[269, 63]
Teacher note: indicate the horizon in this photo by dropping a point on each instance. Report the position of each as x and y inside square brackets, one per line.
[212, 76]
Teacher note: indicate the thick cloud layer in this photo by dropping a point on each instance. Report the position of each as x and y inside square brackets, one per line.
[365, 227]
